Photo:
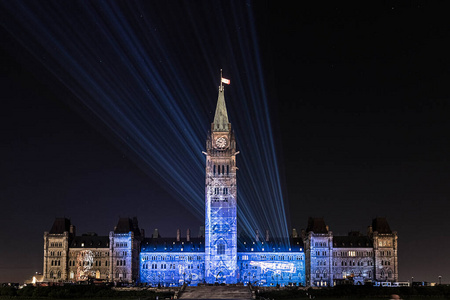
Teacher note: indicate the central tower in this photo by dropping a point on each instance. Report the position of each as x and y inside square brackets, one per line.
[220, 198]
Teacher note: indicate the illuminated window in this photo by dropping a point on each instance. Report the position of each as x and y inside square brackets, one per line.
[221, 249]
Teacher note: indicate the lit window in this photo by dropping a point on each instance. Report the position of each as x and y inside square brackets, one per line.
[221, 249]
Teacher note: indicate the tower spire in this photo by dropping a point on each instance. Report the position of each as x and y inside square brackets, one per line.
[221, 117]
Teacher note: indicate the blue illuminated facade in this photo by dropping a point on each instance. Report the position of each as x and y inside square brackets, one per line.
[169, 262]
[315, 257]
[219, 256]
[220, 199]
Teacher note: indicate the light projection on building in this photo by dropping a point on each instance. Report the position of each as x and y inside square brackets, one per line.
[214, 257]
[220, 199]
[172, 269]
[275, 273]
[85, 261]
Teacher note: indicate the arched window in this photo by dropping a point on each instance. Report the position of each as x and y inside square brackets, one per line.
[223, 169]
[228, 170]
[390, 274]
[51, 274]
[59, 274]
[214, 169]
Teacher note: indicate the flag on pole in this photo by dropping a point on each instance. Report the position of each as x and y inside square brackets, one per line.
[226, 81]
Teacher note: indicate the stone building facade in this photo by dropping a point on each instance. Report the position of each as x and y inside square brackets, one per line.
[218, 255]
[56, 249]
[71, 258]
[355, 258]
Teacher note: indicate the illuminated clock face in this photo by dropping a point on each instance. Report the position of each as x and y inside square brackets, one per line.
[221, 142]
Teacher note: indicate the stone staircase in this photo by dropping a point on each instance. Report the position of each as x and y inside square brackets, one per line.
[216, 292]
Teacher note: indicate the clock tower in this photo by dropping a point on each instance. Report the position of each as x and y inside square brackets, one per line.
[220, 199]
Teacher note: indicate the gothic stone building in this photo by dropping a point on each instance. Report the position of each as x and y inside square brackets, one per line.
[68, 257]
[218, 255]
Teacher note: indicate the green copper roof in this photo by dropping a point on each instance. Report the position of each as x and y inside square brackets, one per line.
[221, 116]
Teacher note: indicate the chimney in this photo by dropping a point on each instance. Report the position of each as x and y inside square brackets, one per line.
[303, 233]
[178, 235]
[135, 223]
[267, 235]
[155, 233]
[369, 231]
[201, 232]
[257, 235]
[294, 233]
[72, 230]
[188, 235]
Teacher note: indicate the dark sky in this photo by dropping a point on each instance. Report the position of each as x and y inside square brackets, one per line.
[359, 101]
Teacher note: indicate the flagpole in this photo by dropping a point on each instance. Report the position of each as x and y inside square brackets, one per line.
[221, 85]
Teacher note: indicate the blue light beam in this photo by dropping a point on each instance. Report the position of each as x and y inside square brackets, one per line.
[148, 72]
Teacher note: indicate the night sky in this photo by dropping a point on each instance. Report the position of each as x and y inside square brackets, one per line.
[357, 95]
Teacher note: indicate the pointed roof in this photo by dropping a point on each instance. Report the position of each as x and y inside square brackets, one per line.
[381, 225]
[221, 116]
[60, 226]
[316, 225]
[125, 225]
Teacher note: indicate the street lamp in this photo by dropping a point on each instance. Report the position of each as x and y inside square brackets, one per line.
[440, 279]
[412, 280]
